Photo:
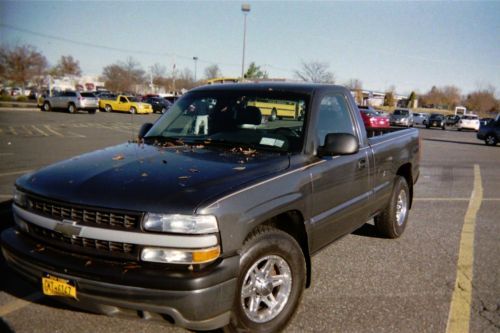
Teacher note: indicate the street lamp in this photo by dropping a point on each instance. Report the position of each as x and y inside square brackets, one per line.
[195, 63]
[245, 8]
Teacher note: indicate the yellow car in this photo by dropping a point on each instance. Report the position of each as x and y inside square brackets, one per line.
[124, 103]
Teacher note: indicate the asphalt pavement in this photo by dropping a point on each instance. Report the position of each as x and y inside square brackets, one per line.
[361, 283]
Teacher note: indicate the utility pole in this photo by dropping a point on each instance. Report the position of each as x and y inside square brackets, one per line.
[195, 67]
[245, 8]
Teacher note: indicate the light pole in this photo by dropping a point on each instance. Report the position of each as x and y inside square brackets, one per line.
[195, 66]
[245, 8]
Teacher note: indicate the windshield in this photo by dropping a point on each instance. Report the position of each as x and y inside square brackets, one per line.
[260, 120]
[401, 112]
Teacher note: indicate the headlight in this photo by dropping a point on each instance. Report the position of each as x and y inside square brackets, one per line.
[182, 224]
[180, 256]
[20, 198]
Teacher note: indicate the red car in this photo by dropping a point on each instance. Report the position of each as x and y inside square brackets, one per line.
[372, 119]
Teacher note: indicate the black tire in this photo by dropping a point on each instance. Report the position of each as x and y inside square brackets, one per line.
[442, 127]
[391, 222]
[72, 108]
[163, 110]
[280, 253]
[108, 108]
[46, 107]
[427, 126]
[133, 110]
[490, 140]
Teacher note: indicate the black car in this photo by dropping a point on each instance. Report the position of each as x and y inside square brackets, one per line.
[159, 104]
[451, 120]
[436, 120]
[490, 132]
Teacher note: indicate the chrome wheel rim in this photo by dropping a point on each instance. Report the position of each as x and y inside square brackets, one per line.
[266, 288]
[491, 140]
[401, 208]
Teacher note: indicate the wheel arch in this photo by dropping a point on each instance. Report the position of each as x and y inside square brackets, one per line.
[405, 171]
[292, 222]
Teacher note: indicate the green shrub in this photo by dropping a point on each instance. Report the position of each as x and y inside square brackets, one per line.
[5, 98]
[22, 98]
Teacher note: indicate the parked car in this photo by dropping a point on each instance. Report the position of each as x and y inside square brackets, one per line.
[485, 121]
[451, 120]
[420, 118]
[159, 104]
[125, 104]
[468, 121]
[436, 120]
[372, 119]
[71, 101]
[402, 117]
[136, 228]
[490, 132]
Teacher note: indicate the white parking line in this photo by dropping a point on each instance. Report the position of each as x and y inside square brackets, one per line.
[39, 130]
[19, 303]
[27, 130]
[12, 130]
[51, 130]
[13, 173]
[76, 135]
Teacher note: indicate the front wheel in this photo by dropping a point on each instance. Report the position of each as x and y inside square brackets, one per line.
[270, 284]
[490, 140]
[71, 108]
[163, 110]
[46, 107]
[133, 110]
[392, 221]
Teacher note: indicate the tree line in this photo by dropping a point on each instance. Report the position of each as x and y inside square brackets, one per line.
[24, 64]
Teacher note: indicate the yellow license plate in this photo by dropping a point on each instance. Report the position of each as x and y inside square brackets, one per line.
[55, 286]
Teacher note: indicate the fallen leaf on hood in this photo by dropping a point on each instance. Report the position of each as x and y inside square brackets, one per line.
[184, 177]
[239, 168]
[118, 157]
[88, 263]
[193, 170]
[144, 174]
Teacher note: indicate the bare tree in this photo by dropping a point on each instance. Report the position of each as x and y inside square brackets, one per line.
[482, 101]
[123, 76]
[21, 64]
[67, 66]
[356, 86]
[212, 71]
[315, 72]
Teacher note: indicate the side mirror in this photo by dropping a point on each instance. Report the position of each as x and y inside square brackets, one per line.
[339, 144]
[144, 129]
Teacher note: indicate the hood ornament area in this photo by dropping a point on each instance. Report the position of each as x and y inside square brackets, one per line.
[68, 228]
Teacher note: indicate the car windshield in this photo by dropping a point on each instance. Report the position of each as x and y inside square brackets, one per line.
[260, 120]
[87, 94]
[370, 113]
[401, 112]
[470, 117]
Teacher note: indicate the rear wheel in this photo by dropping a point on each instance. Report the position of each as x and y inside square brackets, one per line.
[270, 284]
[490, 140]
[274, 115]
[108, 108]
[163, 110]
[392, 221]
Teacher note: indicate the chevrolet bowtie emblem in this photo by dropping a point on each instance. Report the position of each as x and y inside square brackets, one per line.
[68, 228]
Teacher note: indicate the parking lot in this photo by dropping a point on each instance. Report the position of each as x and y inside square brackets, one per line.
[361, 283]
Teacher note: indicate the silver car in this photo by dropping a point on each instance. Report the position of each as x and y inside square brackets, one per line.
[420, 118]
[71, 101]
[402, 117]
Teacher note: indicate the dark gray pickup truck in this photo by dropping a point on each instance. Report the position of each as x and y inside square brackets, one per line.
[210, 219]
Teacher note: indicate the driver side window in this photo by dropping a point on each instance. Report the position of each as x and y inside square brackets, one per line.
[333, 117]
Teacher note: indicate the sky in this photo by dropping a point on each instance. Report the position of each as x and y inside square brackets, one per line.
[405, 45]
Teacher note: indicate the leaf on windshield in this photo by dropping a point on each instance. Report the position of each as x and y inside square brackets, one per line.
[239, 168]
[184, 177]
[193, 170]
[118, 157]
[144, 174]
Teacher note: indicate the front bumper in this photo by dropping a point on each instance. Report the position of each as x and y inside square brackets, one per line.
[197, 300]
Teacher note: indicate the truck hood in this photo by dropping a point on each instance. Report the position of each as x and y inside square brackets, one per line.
[152, 178]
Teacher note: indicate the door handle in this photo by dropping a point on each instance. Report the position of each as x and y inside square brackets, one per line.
[362, 163]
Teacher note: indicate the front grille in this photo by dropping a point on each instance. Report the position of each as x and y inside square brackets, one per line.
[84, 215]
[104, 248]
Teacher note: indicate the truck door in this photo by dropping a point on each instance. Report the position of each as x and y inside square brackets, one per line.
[123, 104]
[341, 184]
